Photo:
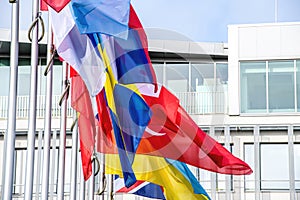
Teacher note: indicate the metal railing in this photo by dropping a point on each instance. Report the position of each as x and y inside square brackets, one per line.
[203, 102]
[22, 109]
[192, 102]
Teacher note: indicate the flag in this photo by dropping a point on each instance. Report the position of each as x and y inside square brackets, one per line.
[132, 56]
[158, 171]
[102, 16]
[81, 102]
[43, 5]
[141, 188]
[126, 109]
[173, 134]
[77, 50]
[56, 5]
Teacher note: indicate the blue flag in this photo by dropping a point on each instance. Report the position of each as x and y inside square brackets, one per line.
[102, 16]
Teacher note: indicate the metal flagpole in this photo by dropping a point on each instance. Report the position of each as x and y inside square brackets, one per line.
[10, 135]
[62, 137]
[91, 184]
[32, 106]
[74, 159]
[110, 188]
[48, 114]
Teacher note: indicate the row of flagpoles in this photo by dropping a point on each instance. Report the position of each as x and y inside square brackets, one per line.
[10, 136]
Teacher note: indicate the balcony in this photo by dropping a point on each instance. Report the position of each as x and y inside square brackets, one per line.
[196, 103]
[22, 110]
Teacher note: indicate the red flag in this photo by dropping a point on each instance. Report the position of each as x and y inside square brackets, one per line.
[81, 102]
[43, 5]
[173, 134]
[57, 5]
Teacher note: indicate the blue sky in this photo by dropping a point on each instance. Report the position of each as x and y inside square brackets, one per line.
[197, 20]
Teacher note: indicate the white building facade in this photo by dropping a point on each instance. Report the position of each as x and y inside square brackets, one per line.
[245, 94]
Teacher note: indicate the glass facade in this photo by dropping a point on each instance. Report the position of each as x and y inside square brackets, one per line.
[269, 86]
[274, 166]
[253, 87]
[201, 87]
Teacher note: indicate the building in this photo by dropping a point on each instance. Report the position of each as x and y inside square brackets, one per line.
[246, 94]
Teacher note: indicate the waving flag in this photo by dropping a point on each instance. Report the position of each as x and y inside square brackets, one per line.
[77, 50]
[81, 102]
[141, 188]
[56, 5]
[173, 134]
[102, 16]
[158, 171]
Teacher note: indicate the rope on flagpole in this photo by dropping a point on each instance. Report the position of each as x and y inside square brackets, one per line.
[101, 191]
[49, 65]
[65, 94]
[37, 19]
[98, 163]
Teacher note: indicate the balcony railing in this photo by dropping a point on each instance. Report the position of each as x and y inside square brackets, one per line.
[22, 108]
[193, 102]
[203, 102]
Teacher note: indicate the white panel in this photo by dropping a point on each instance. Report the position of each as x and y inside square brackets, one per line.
[247, 42]
[268, 41]
[290, 41]
[233, 71]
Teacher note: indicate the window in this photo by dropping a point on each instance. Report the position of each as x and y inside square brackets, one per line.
[253, 87]
[298, 84]
[158, 68]
[203, 79]
[269, 86]
[274, 166]
[4, 77]
[281, 86]
[249, 159]
[177, 77]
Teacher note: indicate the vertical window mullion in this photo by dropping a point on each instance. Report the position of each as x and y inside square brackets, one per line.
[190, 77]
[267, 86]
[295, 86]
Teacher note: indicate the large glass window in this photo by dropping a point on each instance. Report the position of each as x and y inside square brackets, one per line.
[159, 71]
[274, 166]
[249, 159]
[298, 84]
[281, 86]
[203, 79]
[253, 87]
[177, 77]
[269, 86]
[4, 77]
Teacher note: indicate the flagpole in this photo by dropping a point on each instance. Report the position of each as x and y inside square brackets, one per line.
[32, 106]
[110, 187]
[74, 159]
[10, 135]
[62, 138]
[48, 114]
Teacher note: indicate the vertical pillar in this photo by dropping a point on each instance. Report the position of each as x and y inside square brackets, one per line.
[291, 162]
[227, 177]
[257, 162]
[213, 176]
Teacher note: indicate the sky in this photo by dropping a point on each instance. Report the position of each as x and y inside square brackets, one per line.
[196, 20]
